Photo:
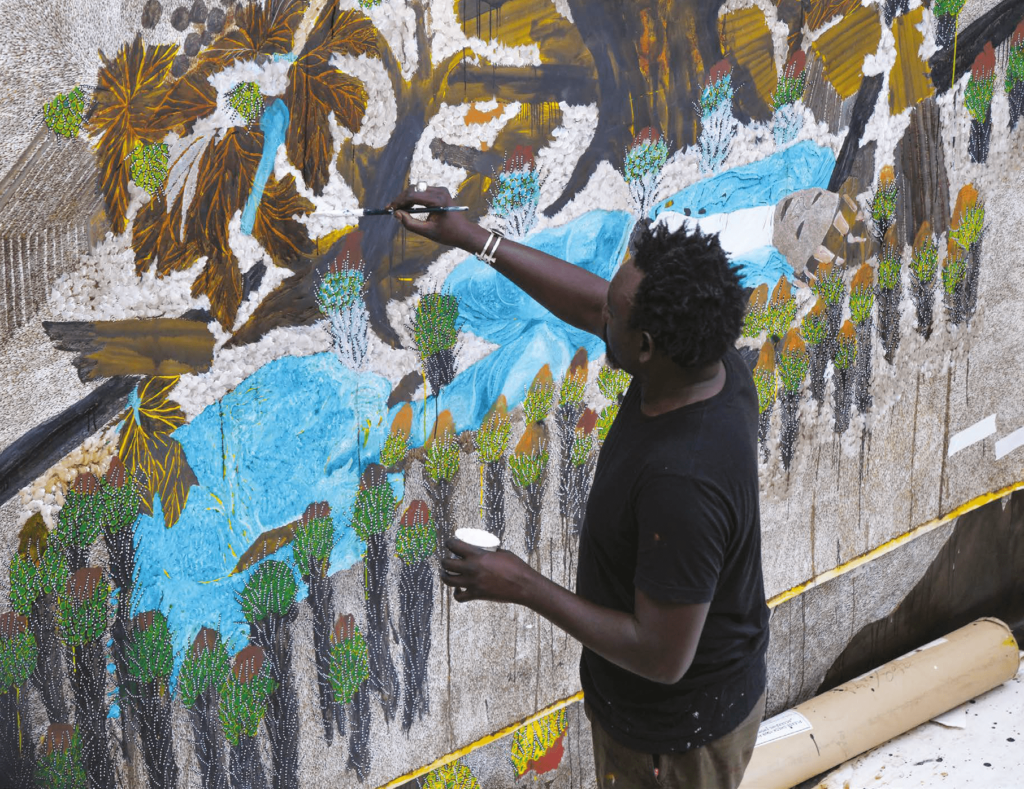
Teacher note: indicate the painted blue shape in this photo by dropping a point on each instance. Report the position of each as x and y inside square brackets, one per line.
[114, 711]
[763, 265]
[291, 57]
[273, 124]
[284, 438]
[765, 182]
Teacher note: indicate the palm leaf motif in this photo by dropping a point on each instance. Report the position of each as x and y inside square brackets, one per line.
[226, 173]
[130, 86]
[156, 236]
[316, 89]
[148, 450]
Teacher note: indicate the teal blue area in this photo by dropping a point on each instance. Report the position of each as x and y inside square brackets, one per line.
[273, 124]
[765, 182]
[529, 336]
[286, 437]
[300, 429]
[763, 265]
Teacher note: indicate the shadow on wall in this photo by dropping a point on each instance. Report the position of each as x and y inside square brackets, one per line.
[977, 573]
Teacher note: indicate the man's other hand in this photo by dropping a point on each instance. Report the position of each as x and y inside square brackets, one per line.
[476, 574]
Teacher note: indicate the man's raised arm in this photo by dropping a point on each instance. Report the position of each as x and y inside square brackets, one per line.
[569, 292]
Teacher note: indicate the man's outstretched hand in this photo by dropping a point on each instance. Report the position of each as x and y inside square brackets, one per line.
[476, 574]
[450, 228]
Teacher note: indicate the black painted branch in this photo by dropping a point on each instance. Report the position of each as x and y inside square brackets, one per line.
[995, 26]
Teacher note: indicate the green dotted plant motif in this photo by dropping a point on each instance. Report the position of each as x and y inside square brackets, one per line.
[755, 320]
[493, 436]
[18, 655]
[846, 352]
[313, 543]
[246, 99]
[270, 590]
[948, 7]
[64, 114]
[340, 290]
[862, 299]
[766, 383]
[781, 310]
[792, 366]
[374, 510]
[883, 204]
[814, 328]
[442, 460]
[434, 327]
[971, 227]
[78, 521]
[82, 622]
[539, 397]
[954, 269]
[350, 666]
[978, 96]
[396, 445]
[201, 670]
[613, 383]
[830, 286]
[527, 469]
[890, 267]
[582, 447]
[645, 158]
[604, 420]
[61, 767]
[572, 388]
[416, 541]
[1015, 63]
[244, 705]
[150, 655]
[925, 261]
[148, 166]
[791, 84]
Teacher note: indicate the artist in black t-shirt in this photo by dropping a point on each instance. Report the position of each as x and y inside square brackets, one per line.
[669, 604]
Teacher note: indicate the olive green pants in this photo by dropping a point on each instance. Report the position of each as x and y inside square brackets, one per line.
[717, 765]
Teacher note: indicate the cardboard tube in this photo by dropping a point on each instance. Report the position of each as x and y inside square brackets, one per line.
[863, 713]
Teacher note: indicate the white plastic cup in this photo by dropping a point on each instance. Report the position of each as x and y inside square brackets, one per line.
[478, 538]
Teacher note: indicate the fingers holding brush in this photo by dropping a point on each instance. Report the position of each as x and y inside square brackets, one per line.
[445, 227]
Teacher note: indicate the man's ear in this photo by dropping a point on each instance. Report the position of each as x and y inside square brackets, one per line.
[646, 347]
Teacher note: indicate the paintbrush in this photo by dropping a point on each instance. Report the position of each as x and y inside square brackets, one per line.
[389, 211]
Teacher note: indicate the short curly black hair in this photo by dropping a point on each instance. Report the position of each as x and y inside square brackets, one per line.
[689, 299]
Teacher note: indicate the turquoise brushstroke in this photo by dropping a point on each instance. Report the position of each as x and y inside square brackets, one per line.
[284, 438]
[288, 434]
[765, 182]
[273, 124]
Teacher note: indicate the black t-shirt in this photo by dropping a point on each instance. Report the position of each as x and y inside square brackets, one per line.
[673, 511]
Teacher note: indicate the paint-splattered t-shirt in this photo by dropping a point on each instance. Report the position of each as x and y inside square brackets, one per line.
[673, 511]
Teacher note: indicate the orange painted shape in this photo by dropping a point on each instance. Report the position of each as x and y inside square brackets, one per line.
[924, 235]
[864, 278]
[444, 426]
[475, 117]
[842, 48]
[910, 78]
[759, 298]
[782, 291]
[746, 37]
[766, 359]
[793, 342]
[532, 441]
[402, 423]
[416, 514]
[966, 198]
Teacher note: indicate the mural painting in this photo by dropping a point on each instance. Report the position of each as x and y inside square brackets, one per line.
[222, 532]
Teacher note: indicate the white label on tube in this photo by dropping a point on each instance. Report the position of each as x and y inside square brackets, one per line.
[781, 726]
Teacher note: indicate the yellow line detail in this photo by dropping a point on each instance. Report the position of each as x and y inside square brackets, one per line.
[486, 740]
[168, 575]
[892, 544]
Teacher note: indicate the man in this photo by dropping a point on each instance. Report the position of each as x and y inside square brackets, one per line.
[669, 603]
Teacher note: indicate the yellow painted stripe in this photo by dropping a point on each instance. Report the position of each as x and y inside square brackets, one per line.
[486, 740]
[892, 544]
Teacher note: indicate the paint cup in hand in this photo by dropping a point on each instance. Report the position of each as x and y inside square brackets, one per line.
[478, 538]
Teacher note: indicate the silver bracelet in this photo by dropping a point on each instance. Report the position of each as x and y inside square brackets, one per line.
[489, 257]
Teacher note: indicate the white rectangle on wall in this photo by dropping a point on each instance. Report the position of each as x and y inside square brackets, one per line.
[1007, 444]
[972, 435]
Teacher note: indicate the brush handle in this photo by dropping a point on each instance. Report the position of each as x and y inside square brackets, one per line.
[419, 210]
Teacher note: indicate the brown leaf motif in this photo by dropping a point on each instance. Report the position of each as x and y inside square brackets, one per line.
[316, 89]
[147, 448]
[129, 87]
[226, 173]
[262, 29]
[277, 229]
[155, 238]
